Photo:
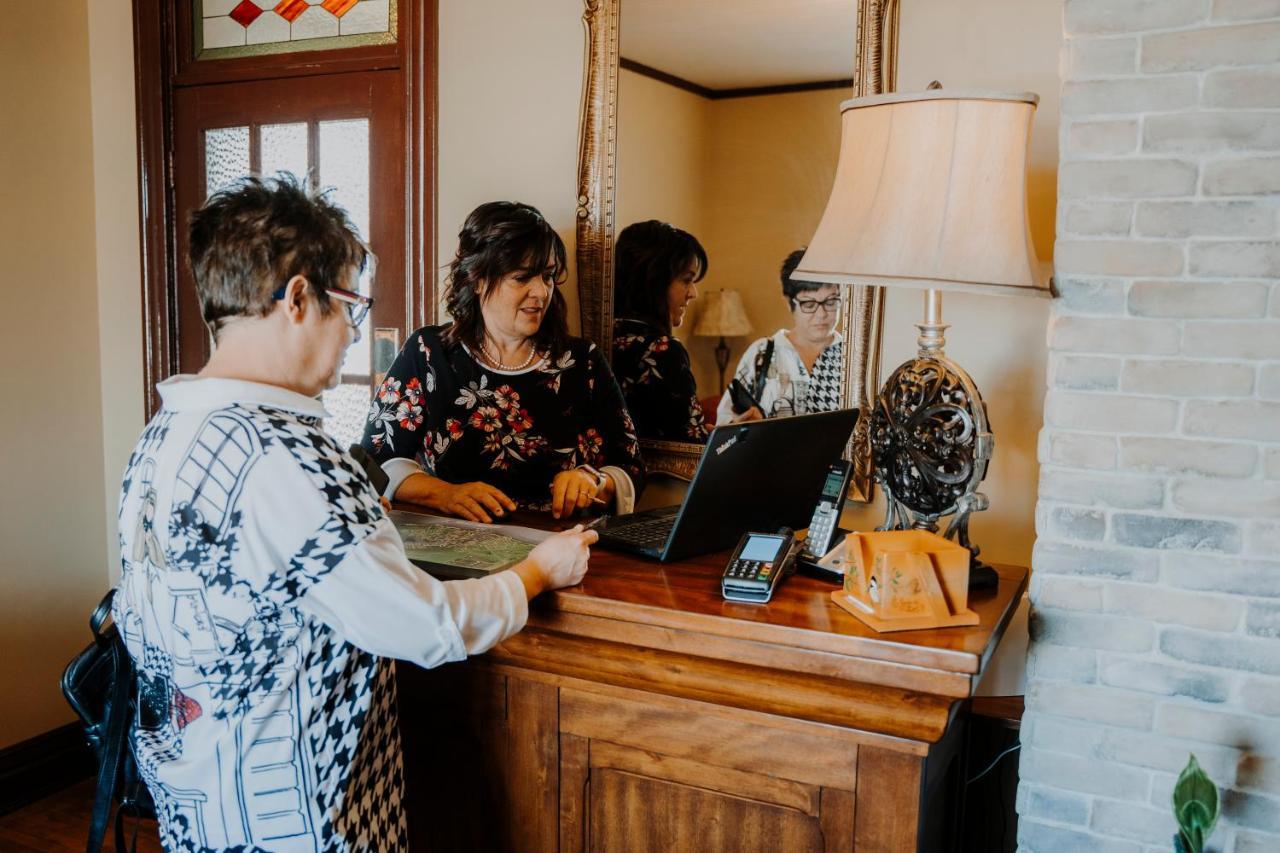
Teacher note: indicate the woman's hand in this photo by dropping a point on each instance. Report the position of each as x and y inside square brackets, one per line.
[751, 414]
[575, 489]
[473, 501]
[557, 561]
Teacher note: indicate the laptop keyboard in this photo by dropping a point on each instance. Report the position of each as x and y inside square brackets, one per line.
[644, 533]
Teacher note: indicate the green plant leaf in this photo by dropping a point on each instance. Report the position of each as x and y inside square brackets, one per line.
[1180, 846]
[1195, 815]
[1195, 804]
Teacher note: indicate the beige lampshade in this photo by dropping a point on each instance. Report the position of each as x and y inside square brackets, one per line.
[930, 191]
[722, 315]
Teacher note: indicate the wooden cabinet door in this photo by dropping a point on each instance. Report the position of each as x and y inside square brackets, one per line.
[645, 802]
[642, 772]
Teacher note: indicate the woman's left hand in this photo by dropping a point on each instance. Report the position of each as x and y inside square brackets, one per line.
[571, 491]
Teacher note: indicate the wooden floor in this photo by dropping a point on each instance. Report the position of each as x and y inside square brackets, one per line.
[61, 822]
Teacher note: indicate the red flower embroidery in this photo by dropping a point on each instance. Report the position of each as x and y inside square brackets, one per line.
[493, 443]
[454, 426]
[519, 420]
[486, 418]
[590, 445]
[389, 392]
[409, 415]
[529, 445]
[506, 398]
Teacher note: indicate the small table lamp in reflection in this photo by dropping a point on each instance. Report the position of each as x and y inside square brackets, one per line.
[722, 316]
[930, 193]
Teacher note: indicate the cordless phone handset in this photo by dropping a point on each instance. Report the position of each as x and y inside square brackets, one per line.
[826, 515]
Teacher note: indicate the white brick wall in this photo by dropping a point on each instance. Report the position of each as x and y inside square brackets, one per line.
[1156, 583]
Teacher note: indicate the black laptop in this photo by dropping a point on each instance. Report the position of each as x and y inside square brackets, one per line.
[758, 476]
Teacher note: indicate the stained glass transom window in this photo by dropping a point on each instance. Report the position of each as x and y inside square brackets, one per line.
[230, 28]
[339, 162]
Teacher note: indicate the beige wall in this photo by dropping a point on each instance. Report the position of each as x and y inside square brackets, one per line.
[510, 86]
[53, 519]
[663, 146]
[747, 176]
[772, 161]
[118, 248]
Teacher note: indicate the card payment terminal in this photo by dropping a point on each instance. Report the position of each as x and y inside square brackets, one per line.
[757, 566]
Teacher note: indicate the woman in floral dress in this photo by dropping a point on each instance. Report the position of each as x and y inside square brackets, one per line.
[657, 267]
[501, 409]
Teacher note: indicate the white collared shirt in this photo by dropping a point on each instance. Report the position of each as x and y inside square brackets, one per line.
[790, 388]
[263, 592]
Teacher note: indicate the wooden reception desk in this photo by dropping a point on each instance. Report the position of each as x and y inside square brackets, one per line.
[642, 712]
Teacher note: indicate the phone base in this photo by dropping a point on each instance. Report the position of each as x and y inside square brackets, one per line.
[815, 570]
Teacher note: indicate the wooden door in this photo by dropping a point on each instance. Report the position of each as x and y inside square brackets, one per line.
[339, 131]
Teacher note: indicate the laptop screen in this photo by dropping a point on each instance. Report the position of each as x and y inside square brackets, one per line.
[758, 476]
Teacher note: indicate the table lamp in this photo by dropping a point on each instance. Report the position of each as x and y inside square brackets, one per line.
[722, 315]
[930, 192]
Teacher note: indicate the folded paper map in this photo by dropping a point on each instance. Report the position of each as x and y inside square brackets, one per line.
[453, 548]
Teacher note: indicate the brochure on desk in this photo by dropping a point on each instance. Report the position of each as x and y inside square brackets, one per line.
[451, 548]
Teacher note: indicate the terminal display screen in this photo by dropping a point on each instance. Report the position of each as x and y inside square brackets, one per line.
[761, 547]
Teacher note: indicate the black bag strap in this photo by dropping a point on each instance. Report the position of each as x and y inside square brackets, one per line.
[127, 806]
[100, 614]
[763, 360]
[114, 742]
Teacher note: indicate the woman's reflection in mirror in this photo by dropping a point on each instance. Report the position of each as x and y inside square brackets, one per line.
[657, 268]
[794, 371]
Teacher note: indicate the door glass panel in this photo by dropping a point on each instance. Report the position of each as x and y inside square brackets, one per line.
[344, 165]
[343, 161]
[284, 149]
[226, 157]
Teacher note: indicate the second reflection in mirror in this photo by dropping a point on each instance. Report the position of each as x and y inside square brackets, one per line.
[732, 138]
[658, 267]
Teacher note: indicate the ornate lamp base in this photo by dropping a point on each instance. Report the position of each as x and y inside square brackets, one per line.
[722, 360]
[930, 445]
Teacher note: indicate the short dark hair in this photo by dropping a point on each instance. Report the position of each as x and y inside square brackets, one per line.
[650, 255]
[792, 289]
[500, 238]
[249, 239]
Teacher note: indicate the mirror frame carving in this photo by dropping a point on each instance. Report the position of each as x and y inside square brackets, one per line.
[875, 72]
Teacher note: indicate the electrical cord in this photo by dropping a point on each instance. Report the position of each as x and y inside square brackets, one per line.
[994, 762]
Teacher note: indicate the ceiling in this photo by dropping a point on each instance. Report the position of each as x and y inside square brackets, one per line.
[733, 44]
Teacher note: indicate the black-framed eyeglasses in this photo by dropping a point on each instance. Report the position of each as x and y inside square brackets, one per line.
[809, 306]
[358, 305]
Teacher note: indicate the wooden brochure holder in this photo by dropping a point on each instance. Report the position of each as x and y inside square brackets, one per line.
[903, 580]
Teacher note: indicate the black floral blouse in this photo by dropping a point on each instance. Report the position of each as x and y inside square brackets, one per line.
[657, 381]
[464, 422]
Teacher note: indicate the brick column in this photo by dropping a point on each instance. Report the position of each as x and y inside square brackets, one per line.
[1156, 583]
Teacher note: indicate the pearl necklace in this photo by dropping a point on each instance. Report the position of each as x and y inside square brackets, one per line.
[497, 362]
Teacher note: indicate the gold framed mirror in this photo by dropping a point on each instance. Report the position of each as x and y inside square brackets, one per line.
[874, 53]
